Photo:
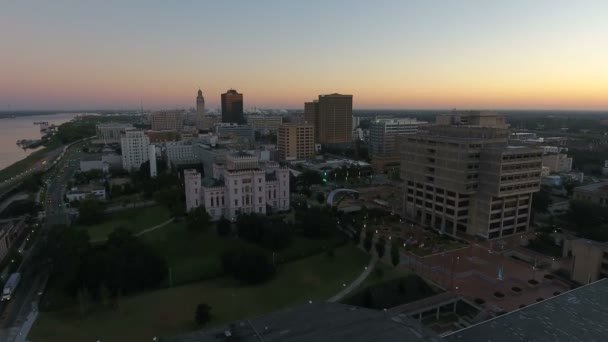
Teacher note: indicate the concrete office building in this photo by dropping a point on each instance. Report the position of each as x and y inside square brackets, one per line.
[460, 175]
[332, 117]
[109, 133]
[239, 184]
[557, 162]
[590, 260]
[167, 121]
[264, 123]
[179, 150]
[134, 145]
[596, 193]
[296, 141]
[200, 110]
[384, 133]
[232, 107]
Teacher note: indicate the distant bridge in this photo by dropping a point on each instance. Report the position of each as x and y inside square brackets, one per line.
[333, 193]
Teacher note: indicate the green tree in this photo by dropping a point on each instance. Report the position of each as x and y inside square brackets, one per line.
[172, 199]
[249, 266]
[395, 255]
[224, 227]
[203, 314]
[381, 246]
[541, 200]
[91, 210]
[198, 219]
[320, 197]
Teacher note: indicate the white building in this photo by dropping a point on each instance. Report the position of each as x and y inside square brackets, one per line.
[240, 184]
[78, 194]
[109, 133]
[134, 145]
[179, 150]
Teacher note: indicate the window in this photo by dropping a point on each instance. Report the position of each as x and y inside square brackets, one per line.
[236, 191]
[212, 201]
[236, 202]
[260, 200]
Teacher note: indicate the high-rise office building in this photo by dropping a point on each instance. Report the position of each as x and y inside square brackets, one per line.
[232, 107]
[384, 133]
[460, 175]
[200, 110]
[167, 121]
[296, 141]
[332, 117]
[135, 149]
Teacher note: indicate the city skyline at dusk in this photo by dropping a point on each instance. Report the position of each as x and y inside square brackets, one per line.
[391, 54]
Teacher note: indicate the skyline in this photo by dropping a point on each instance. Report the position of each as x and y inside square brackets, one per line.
[391, 55]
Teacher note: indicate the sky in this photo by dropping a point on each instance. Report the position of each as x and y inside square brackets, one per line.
[428, 54]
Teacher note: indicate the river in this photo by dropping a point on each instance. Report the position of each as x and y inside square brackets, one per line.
[22, 127]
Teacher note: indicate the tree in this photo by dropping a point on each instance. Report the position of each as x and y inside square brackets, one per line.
[224, 227]
[271, 233]
[320, 197]
[367, 242]
[249, 266]
[381, 246]
[198, 219]
[90, 210]
[541, 200]
[395, 255]
[172, 198]
[203, 314]
[308, 178]
[316, 222]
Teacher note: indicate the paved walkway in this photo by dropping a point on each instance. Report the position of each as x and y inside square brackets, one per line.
[347, 290]
[145, 231]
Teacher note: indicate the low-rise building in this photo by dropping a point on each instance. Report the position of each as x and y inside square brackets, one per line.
[239, 184]
[596, 193]
[264, 123]
[109, 133]
[82, 192]
[557, 162]
[590, 259]
[179, 150]
[167, 121]
[231, 130]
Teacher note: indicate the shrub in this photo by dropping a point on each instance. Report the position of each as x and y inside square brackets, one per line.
[516, 289]
[479, 301]
[533, 282]
[498, 294]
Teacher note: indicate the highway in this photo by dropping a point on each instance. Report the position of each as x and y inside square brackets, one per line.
[35, 273]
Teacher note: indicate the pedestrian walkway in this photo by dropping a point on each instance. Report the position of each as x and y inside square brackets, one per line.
[140, 233]
[355, 284]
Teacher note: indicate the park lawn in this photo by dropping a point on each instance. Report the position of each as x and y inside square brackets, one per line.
[195, 255]
[171, 311]
[135, 220]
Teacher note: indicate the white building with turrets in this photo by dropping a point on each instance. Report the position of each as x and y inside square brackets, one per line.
[240, 184]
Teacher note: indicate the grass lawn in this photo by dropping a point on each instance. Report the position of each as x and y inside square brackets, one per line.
[136, 219]
[171, 311]
[22, 165]
[194, 256]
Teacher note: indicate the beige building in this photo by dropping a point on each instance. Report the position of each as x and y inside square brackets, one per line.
[590, 260]
[596, 193]
[167, 121]
[332, 117]
[109, 133]
[460, 175]
[296, 141]
[557, 162]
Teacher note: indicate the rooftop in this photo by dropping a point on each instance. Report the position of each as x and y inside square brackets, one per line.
[320, 322]
[601, 186]
[577, 315]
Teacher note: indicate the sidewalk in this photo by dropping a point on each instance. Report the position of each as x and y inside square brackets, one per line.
[355, 284]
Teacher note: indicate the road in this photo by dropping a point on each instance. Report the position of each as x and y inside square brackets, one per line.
[36, 272]
[42, 165]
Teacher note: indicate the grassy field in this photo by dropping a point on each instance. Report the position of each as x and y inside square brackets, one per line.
[171, 311]
[22, 165]
[136, 219]
[194, 255]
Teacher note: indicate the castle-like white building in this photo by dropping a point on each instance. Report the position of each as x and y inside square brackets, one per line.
[240, 184]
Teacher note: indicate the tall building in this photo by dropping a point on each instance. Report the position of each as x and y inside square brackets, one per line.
[460, 175]
[296, 141]
[200, 110]
[135, 151]
[384, 133]
[332, 117]
[167, 121]
[232, 107]
[241, 184]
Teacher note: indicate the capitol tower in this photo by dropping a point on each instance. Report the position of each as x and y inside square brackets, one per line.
[200, 109]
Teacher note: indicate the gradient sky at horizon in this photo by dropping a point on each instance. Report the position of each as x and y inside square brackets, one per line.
[517, 54]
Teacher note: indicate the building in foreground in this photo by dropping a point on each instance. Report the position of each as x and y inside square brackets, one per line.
[232, 107]
[321, 322]
[296, 141]
[240, 183]
[577, 315]
[460, 175]
[332, 117]
[167, 121]
[134, 145]
[109, 133]
[596, 193]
